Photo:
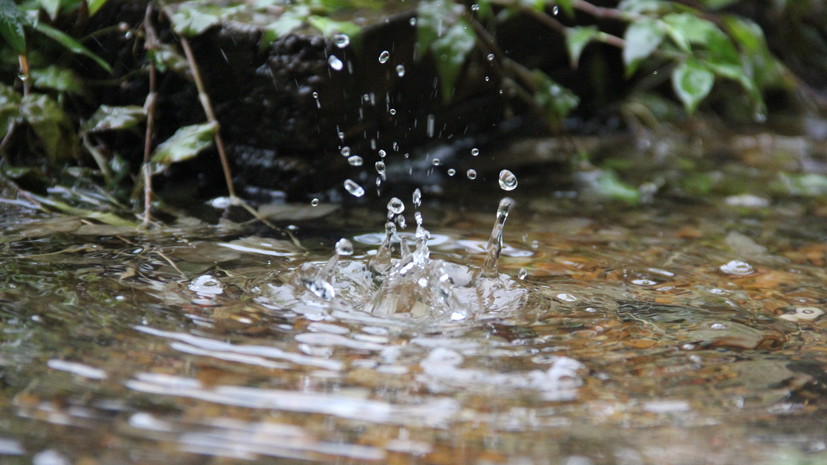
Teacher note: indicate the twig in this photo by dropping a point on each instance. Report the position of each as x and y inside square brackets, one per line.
[205, 103]
[150, 44]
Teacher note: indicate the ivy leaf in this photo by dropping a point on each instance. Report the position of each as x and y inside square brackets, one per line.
[193, 18]
[576, 40]
[642, 38]
[11, 26]
[71, 44]
[286, 23]
[51, 125]
[640, 6]
[167, 58]
[610, 185]
[58, 79]
[9, 108]
[692, 82]
[107, 118]
[185, 144]
[686, 29]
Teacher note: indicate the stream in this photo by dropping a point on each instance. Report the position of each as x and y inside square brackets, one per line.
[674, 331]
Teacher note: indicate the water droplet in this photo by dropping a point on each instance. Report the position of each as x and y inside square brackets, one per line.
[521, 275]
[418, 218]
[382, 153]
[23, 77]
[396, 206]
[335, 63]
[344, 247]
[412, 21]
[555, 10]
[353, 188]
[737, 267]
[314, 202]
[471, 173]
[436, 162]
[384, 56]
[400, 220]
[345, 151]
[341, 40]
[475, 7]
[717, 326]
[566, 297]
[644, 282]
[490, 57]
[380, 167]
[354, 160]
[400, 70]
[508, 182]
[392, 111]
[417, 197]
[451, 171]
[475, 151]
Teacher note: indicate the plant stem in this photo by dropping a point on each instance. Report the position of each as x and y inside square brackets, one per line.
[205, 103]
[151, 43]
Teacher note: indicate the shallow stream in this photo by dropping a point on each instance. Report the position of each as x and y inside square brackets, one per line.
[673, 332]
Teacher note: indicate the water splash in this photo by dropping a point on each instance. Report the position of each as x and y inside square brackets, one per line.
[495, 242]
[320, 281]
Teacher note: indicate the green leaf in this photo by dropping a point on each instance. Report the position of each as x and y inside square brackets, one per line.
[95, 5]
[185, 144]
[610, 185]
[449, 39]
[51, 7]
[576, 40]
[556, 100]
[193, 18]
[692, 82]
[286, 23]
[566, 6]
[52, 126]
[9, 108]
[107, 118]
[328, 26]
[640, 6]
[56, 78]
[71, 44]
[167, 58]
[642, 38]
[11, 26]
[806, 185]
[687, 29]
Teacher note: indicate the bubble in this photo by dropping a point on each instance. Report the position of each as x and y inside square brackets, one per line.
[737, 267]
[341, 40]
[335, 63]
[384, 56]
[508, 182]
[451, 171]
[314, 202]
[471, 174]
[400, 70]
[353, 188]
[396, 206]
[417, 197]
[345, 151]
[354, 160]
[475, 151]
[344, 248]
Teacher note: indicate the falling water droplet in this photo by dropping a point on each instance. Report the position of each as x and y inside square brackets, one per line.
[354, 160]
[418, 218]
[341, 40]
[417, 198]
[353, 188]
[451, 171]
[471, 174]
[384, 56]
[495, 242]
[521, 275]
[508, 182]
[345, 151]
[400, 70]
[380, 168]
[490, 57]
[316, 98]
[555, 10]
[392, 111]
[314, 202]
[382, 153]
[475, 151]
[23, 77]
[344, 248]
[335, 63]
[412, 21]
[396, 206]
[436, 162]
